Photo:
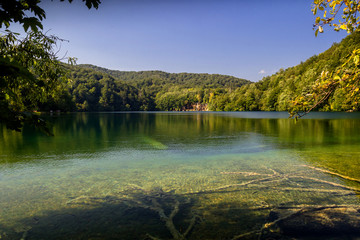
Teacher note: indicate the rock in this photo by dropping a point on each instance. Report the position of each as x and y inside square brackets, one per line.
[328, 221]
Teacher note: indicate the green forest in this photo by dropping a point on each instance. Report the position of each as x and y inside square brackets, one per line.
[92, 88]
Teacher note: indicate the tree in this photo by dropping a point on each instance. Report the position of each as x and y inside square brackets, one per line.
[30, 71]
[344, 78]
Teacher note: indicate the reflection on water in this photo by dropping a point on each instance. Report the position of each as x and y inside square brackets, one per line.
[177, 175]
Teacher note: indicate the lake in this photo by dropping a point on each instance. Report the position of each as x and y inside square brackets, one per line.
[182, 175]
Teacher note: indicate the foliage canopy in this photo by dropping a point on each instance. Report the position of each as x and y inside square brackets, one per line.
[30, 73]
[30, 70]
[344, 79]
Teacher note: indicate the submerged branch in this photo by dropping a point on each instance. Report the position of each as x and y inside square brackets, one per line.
[154, 200]
[338, 192]
[245, 173]
[328, 182]
[332, 173]
[230, 186]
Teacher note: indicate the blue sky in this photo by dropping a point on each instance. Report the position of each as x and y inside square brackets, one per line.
[244, 38]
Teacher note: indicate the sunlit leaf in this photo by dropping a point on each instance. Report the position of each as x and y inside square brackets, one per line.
[356, 60]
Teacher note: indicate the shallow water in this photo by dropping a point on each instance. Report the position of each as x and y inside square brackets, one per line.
[132, 175]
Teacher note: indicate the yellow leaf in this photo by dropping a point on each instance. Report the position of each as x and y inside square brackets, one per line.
[356, 59]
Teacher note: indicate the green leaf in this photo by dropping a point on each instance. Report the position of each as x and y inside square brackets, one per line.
[33, 23]
[39, 12]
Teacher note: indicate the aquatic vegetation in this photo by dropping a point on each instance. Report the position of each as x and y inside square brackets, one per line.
[154, 143]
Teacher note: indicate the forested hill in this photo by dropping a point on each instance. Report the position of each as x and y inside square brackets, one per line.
[276, 92]
[188, 80]
[92, 88]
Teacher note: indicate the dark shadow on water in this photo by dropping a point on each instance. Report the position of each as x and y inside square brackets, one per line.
[155, 214]
[136, 217]
[108, 221]
[117, 221]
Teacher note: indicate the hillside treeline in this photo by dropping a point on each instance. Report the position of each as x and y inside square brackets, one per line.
[276, 92]
[91, 88]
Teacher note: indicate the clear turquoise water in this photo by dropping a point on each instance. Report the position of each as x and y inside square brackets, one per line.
[103, 174]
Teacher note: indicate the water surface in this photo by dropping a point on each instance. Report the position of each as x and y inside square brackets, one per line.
[142, 175]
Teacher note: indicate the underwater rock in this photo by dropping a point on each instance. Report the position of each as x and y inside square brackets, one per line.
[273, 216]
[320, 222]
